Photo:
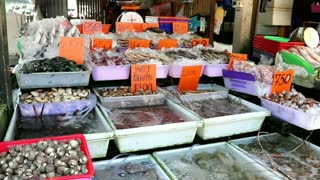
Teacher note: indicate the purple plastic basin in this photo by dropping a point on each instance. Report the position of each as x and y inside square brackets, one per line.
[109, 73]
[214, 70]
[162, 71]
[176, 70]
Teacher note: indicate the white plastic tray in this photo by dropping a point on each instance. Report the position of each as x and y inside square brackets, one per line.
[151, 137]
[98, 142]
[242, 159]
[231, 125]
[129, 101]
[299, 118]
[214, 70]
[103, 165]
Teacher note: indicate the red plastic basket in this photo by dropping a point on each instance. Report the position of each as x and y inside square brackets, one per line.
[106, 28]
[273, 47]
[5, 146]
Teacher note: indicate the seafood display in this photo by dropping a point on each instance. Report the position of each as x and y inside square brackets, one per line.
[185, 40]
[312, 56]
[263, 73]
[294, 159]
[44, 159]
[214, 57]
[58, 125]
[144, 116]
[219, 165]
[123, 91]
[123, 38]
[57, 64]
[129, 171]
[295, 100]
[146, 56]
[180, 53]
[102, 57]
[42, 38]
[54, 95]
[210, 108]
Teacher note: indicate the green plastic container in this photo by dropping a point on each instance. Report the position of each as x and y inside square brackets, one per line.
[293, 59]
[277, 39]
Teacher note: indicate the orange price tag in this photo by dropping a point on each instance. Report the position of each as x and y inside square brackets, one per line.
[150, 25]
[239, 57]
[190, 78]
[180, 27]
[204, 42]
[143, 76]
[139, 43]
[102, 43]
[167, 43]
[130, 27]
[92, 27]
[72, 48]
[282, 81]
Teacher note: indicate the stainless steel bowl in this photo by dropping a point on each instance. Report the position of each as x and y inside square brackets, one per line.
[129, 3]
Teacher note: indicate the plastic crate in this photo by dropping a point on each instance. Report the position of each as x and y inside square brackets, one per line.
[262, 44]
[167, 27]
[5, 146]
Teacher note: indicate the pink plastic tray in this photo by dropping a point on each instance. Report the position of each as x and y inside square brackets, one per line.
[214, 70]
[4, 147]
[296, 117]
[109, 73]
[176, 70]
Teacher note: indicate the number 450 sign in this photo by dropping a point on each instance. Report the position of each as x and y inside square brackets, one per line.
[282, 81]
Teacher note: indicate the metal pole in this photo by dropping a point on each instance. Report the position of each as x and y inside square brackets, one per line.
[5, 81]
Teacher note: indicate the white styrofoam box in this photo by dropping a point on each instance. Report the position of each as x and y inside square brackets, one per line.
[151, 137]
[98, 143]
[285, 4]
[275, 17]
[103, 165]
[242, 160]
[299, 118]
[224, 126]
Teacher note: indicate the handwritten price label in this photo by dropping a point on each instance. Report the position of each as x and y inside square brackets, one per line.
[150, 25]
[92, 27]
[180, 27]
[190, 78]
[239, 57]
[282, 81]
[102, 43]
[72, 48]
[139, 43]
[143, 76]
[167, 43]
[203, 42]
[130, 27]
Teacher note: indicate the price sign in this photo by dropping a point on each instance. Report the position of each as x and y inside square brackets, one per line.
[102, 43]
[150, 25]
[72, 48]
[129, 27]
[143, 76]
[139, 43]
[190, 78]
[167, 43]
[203, 42]
[180, 27]
[282, 81]
[92, 27]
[239, 57]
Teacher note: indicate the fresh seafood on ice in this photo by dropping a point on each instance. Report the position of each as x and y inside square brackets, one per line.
[312, 56]
[146, 56]
[123, 91]
[101, 57]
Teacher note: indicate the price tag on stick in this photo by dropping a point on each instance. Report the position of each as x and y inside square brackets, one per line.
[92, 27]
[143, 76]
[102, 43]
[190, 78]
[72, 48]
[282, 81]
[180, 27]
[204, 42]
[239, 57]
[139, 43]
[167, 43]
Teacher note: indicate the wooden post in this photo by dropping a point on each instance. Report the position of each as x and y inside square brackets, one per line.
[242, 34]
[5, 85]
[211, 19]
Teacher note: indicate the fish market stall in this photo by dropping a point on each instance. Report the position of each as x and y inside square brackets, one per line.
[48, 73]
[142, 167]
[212, 161]
[96, 130]
[295, 158]
[148, 127]
[224, 115]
